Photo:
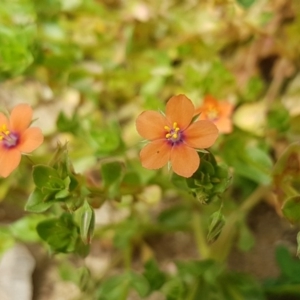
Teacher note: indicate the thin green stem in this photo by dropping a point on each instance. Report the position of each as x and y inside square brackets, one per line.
[253, 199]
[200, 238]
[127, 257]
[221, 248]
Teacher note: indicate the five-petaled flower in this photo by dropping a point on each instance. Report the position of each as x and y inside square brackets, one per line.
[217, 112]
[174, 137]
[16, 137]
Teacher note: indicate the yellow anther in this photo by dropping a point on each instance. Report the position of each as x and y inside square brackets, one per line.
[172, 132]
[4, 130]
[1, 137]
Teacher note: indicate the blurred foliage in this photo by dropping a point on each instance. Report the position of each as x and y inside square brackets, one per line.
[89, 67]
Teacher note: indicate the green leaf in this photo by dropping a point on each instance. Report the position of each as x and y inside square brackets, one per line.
[155, 277]
[125, 232]
[106, 140]
[216, 226]
[140, 284]
[114, 288]
[62, 194]
[15, 48]
[111, 172]
[237, 286]
[278, 117]
[65, 124]
[131, 183]
[289, 266]
[174, 218]
[206, 268]
[25, 228]
[46, 177]
[87, 222]
[59, 233]
[291, 209]
[246, 3]
[174, 289]
[248, 159]
[6, 240]
[286, 174]
[37, 203]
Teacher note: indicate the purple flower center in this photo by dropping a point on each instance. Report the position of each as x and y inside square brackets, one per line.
[174, 135]
[8, 139]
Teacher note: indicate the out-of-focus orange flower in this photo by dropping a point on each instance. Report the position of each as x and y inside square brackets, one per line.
[16, 137]
[217, 112]
[173, 137]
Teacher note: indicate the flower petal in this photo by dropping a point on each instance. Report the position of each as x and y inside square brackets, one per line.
[30, 139]
[3, 120]
[185, 160]
[224, 125]
[150, 125]
[225, 108]
[180, 109]
[20, 117]
[155, 154]
[201, 134]
[9, 160]
[210, 101]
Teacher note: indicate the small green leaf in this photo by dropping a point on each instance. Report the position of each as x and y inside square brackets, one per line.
[114, 288]
[7, 240]
[216, 226]
[25, 228]
[174, 289]
[87, 222]
[111, 172]
[15, 51]
[298, 244]
[45, 177]
[289, 266]
[62, 194]
[107, 140]
[176, 217]
[155, 277]
[248, 159]
[246, 3]
[37, 203]
[59, 233]
[65, 124]
[291, 209]
[125, 232]
[140, 284]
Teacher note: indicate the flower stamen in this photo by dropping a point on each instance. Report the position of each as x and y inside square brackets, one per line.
[9, 139]
[4, 132]
[173, 134]
[212, 112]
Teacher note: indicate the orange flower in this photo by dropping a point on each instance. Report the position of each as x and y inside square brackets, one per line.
[174, 137]
[16, 138]
[217, 112]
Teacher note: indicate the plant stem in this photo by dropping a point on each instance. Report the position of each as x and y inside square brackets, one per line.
[127, 257]
[221, 248]
[200, 238]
